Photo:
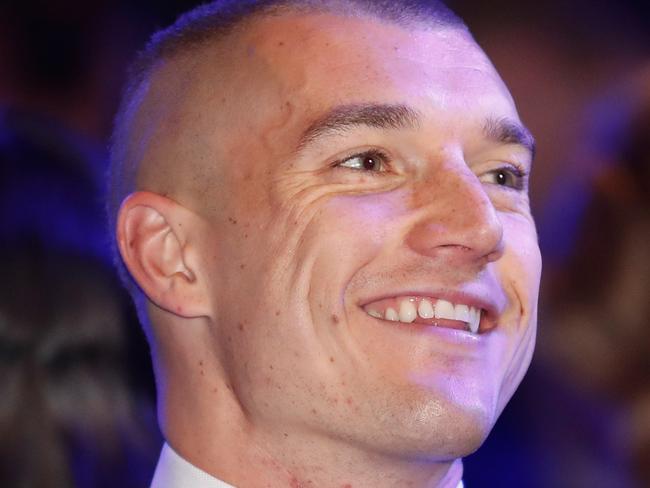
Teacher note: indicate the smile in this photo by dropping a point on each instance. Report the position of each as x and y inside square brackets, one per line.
[427, 311]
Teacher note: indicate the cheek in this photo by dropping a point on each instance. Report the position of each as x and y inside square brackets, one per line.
[363, 218]
[522, 265]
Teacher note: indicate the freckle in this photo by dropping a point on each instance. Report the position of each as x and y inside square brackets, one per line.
[200, 363]
[240, 326]
[245, 236]
[270, 366]
[331, 359]
[335, 318]
[281, 43]
[131, 243]
[277, 313]
[296, 354]
[286, 435]
[202, 373]
[223, 99]
[348, 400]
[229, 338]
[313, 410]
[214, 390]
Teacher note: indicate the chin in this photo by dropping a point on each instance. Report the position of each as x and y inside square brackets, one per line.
[434, 430]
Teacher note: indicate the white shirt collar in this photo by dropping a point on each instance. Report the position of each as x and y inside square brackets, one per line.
[173, 471]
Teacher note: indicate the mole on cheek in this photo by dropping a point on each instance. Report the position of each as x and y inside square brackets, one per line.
[335, 318]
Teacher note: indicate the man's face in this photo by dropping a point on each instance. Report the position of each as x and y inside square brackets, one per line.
[358, 178]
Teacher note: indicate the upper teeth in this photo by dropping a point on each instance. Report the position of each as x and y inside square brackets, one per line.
[407, 310]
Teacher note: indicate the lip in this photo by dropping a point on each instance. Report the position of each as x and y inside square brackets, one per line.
[492, 304]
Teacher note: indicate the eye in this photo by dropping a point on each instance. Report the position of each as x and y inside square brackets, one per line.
[508, 176]
[374, 161]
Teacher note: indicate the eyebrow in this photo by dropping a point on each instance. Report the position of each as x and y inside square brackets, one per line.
[397, 116]
[507, 131]
[345, 117]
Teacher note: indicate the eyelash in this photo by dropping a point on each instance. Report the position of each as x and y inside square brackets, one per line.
[373, 154]
[516, 175]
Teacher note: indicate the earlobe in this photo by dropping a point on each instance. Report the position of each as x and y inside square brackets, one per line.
[154, 239]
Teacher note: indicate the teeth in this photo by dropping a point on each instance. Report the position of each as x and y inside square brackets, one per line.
[445, 310]
[391, 315]
[407, 312]
[474, 319]
[425, 309]
[461, 312]
[375, 314]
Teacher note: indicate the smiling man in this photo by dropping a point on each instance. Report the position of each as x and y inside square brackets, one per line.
[323, 210]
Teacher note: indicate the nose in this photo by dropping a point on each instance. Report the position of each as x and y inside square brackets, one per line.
[456, 218]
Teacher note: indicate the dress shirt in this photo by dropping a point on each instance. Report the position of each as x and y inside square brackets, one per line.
[175, 472]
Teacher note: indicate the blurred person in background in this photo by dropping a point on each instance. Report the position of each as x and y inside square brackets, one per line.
[597, 342]
[72, 409]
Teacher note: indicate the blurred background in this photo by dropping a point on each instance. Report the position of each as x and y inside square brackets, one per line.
[77, 404]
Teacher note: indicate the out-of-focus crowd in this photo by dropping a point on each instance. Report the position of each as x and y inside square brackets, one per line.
[77, 406]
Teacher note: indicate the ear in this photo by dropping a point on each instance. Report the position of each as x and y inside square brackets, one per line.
[157, 240]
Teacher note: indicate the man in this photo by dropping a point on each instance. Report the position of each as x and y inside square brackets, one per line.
[328, 230]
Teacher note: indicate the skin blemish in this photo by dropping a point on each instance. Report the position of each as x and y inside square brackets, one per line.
[270, 366]
[335, 318]
[277, 313]
[232, 221]
[214, 390]
[281, 43]
[240, 326]
[242, 266]
[331, 359]
[349, 401]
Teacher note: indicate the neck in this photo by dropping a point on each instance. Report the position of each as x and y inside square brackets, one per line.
[223, 442]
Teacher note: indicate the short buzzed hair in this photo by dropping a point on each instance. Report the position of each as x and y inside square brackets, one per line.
[212, 22]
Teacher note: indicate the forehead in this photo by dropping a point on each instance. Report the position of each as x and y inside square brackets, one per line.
[326, 59]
